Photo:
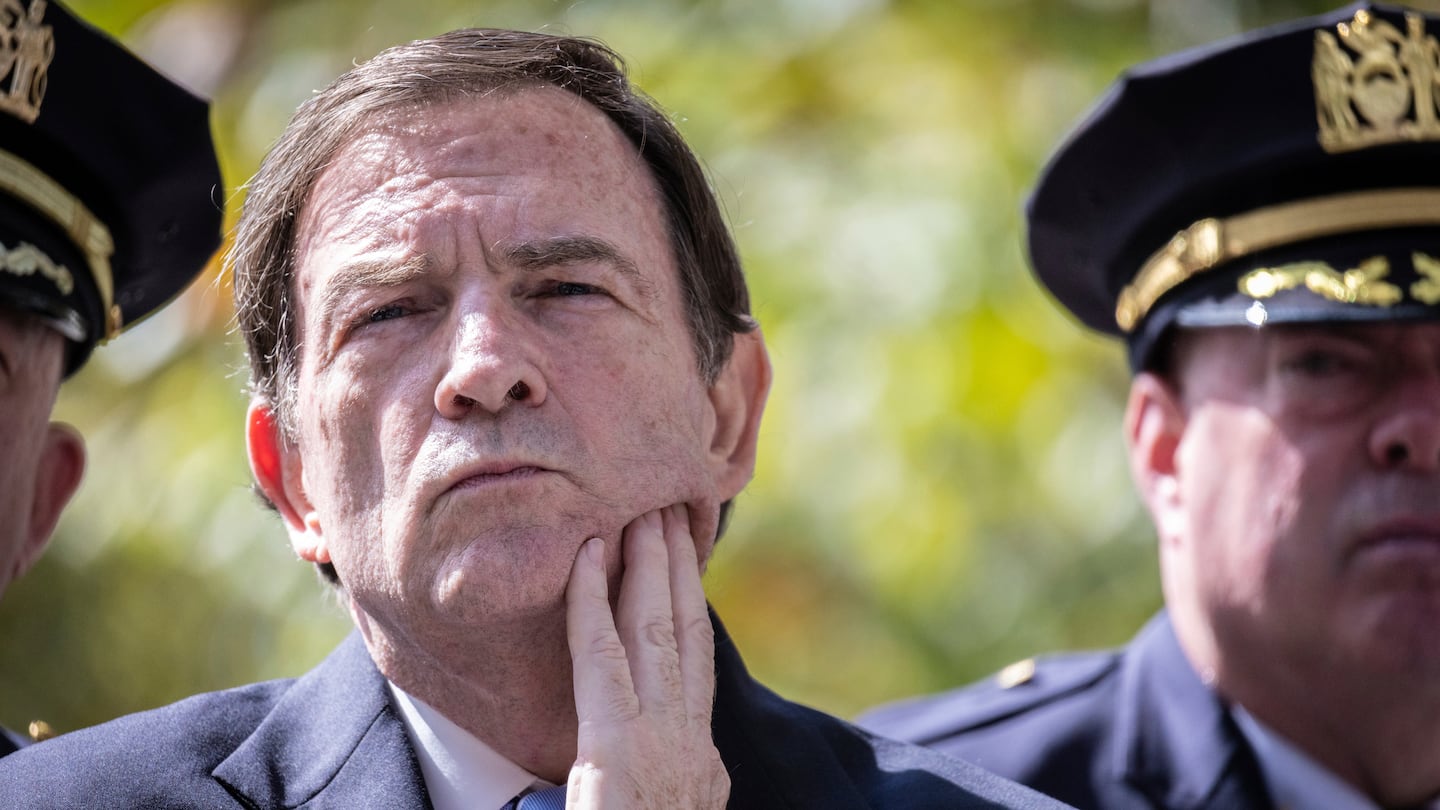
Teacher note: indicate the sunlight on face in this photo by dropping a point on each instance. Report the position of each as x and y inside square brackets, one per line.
[496, 363]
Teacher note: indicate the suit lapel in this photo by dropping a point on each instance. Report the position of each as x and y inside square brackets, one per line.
[778, 754]
[333, 740]
[1179, 744]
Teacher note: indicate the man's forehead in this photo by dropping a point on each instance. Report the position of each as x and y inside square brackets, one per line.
[522, 140]
[407, 144]
[498, 114]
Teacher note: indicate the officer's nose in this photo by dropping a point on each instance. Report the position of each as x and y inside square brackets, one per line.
[1406, 435]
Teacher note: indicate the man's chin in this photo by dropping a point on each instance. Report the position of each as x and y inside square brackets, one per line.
[523, 570]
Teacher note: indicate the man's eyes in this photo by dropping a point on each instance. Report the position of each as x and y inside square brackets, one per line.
[385, 313]
[566, 289]
[406, 307]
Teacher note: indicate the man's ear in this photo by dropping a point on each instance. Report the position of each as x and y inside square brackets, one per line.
[738, 399]
[62, 465]
[275, 462]
[1155, 421]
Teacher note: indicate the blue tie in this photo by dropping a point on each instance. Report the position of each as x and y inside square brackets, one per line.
[547, 799]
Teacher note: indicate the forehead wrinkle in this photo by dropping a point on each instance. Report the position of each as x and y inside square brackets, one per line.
[538, 254]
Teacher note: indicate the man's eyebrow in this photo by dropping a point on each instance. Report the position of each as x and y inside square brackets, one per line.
[562, 250]
[367, 273]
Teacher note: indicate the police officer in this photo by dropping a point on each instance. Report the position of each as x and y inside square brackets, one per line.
[1259, 221]
[110, 204]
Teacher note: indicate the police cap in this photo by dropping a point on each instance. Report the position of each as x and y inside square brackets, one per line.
[1287, 175]
[109, 186]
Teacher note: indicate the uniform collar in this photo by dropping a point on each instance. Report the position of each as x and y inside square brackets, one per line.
[1183, 749]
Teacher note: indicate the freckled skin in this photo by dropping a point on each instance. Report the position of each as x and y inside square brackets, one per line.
[618, 416]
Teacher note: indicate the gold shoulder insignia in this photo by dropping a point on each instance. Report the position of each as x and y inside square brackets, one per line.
[1017, 674]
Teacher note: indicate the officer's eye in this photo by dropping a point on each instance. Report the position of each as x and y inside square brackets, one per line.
[1318, 363]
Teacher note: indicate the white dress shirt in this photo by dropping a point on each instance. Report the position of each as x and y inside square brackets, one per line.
[1295, 781]
[461, 772]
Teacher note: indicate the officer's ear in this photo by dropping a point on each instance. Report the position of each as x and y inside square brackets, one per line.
[737, 401]
[62, 464]
[1154, 425]
[276, 464]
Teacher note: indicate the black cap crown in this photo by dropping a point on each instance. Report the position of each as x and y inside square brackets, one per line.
[1291, 174]
[109, 186]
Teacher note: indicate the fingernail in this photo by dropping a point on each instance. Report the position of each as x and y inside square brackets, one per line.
[595, 552]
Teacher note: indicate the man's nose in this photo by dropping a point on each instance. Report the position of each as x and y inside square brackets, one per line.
[1407, 434]
[492, 365]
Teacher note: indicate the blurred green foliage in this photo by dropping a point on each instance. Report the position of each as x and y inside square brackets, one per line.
[941, 487]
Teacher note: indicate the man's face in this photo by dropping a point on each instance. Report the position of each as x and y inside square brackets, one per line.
[1304, 520]
[42, 462]
[495, 363]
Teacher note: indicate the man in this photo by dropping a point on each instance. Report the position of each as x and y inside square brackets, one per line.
[1259, 220]
[109, 206]
[505, 385]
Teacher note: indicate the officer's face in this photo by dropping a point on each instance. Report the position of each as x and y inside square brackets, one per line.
[42, 462]
[1300, 521]
[496, 363]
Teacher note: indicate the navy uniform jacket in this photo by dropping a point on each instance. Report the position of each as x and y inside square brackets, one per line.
[332, 739]
[1116, 730]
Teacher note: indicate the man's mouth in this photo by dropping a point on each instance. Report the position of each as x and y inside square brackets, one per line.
[494, 474]
[1414, 539]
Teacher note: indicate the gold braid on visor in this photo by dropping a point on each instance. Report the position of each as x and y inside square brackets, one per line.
[1210, 243]
[23, 181]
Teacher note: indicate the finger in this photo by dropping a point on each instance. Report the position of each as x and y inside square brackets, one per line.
[603, 688]
[644, 617]
[694, 634]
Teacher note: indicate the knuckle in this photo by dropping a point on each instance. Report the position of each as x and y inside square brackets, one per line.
[701, 629]
[606, 648]
[659, 631]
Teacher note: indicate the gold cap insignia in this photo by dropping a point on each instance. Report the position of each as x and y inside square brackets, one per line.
[1385, 93]
[1360, 285]
[26, 48]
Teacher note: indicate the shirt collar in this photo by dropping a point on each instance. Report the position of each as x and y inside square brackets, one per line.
[1296, 780]
[461, 772]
